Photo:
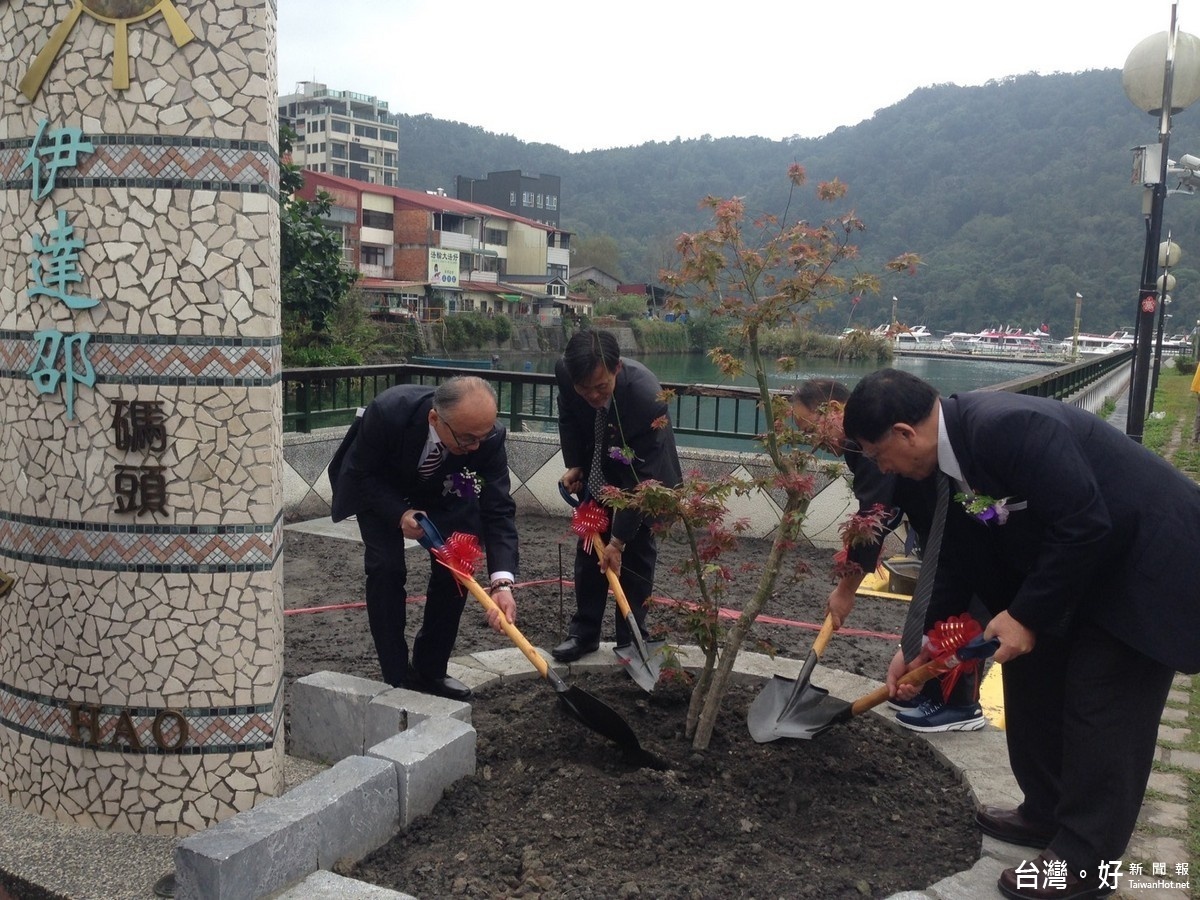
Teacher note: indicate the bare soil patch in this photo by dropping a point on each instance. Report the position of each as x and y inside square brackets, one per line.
[554, 811]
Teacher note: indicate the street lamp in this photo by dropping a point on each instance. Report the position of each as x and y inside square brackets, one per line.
[1161, 76]
[1075, 333]
[1168, 256]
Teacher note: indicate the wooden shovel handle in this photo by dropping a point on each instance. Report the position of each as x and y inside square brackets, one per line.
[917, 676]
[510, 629]
[613, 582]
[825, 634]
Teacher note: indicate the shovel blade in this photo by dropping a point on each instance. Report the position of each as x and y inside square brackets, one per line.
[780, 711]
[603, 719]
[643, 670]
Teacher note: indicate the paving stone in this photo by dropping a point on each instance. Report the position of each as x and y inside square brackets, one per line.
[509, 664]
[428, 758]
[328, 886]
[1187, 759]
[329, 714]
[1171, 735]
[398, 709]
[1163, 814]
[249, 855]
[1168, 783]
[358, 808]
[342, 813]
[1171, 714]
[976, 883]
[1147, 850]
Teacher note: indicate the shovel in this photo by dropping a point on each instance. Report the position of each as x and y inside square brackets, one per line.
[783, 700]
[821, 711]
[643, 659]
[459, 555]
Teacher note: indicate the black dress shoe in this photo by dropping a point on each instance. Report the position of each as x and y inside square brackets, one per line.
[573, 648]
[1011, 827]
[445, 686]
[1030, 881]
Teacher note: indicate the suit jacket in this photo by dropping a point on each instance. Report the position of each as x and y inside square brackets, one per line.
[1109, 534]
[902, 496]
[378, 475]
[635, 409]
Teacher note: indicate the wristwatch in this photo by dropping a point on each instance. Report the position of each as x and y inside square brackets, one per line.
[501, 584]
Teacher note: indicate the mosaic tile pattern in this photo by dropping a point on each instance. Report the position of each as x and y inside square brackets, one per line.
[166, 619]
[150, 359]
[155, 162]
[141, 548]
[138, 730]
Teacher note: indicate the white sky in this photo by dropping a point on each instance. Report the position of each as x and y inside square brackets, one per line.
[586, 75]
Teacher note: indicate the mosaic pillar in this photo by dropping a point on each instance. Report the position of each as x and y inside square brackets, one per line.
[141, 635]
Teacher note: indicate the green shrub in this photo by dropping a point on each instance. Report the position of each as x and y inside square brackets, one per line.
[316, 356]
[655, 335]
[1185, 366]
[462, 331]
[502, 328]
[625, 307]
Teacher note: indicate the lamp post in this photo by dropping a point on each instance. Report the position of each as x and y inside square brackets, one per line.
[1168, 256]
[1075, 332]
[1160, 84]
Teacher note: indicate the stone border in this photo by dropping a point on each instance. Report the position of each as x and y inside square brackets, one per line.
[392, 753]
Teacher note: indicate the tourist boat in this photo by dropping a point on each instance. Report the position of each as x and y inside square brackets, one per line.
[997, 341]
[904, 337]
[1096, 344]
[1102, 345]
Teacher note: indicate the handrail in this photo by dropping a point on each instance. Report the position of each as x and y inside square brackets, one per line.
[329, 397]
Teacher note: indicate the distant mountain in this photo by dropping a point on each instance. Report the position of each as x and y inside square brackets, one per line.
[1016, 194]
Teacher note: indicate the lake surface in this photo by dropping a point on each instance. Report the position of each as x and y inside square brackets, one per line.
[947, 375]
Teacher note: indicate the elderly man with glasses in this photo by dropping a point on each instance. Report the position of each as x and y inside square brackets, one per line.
[415, 449]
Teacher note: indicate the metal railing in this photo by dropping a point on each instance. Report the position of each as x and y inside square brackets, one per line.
[727, 417]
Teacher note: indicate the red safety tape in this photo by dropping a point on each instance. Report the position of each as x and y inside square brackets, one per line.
[724, 612]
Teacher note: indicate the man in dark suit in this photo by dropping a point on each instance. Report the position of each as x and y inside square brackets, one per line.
[1081, 543]
[416, 449]
[818, 405]
[601, 394]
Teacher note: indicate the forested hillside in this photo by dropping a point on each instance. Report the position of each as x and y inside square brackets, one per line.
[1016, 195]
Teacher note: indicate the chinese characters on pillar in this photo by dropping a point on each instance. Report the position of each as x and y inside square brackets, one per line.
[54, 269]
[139, 426]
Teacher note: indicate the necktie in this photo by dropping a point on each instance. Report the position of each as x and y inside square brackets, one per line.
[914, 624]
[596, 474]
[431, 463]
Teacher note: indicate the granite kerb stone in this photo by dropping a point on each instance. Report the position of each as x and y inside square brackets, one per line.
[340, 814]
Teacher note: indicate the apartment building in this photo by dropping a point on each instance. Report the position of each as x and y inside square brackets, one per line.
[342, 133]
[425, 255]
[531, 196]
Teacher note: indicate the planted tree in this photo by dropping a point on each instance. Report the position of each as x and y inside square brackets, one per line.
[757, 275]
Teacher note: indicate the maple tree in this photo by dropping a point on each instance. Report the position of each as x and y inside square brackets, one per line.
[757, 274]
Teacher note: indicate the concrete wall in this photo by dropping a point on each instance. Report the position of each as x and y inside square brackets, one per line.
[535, 464]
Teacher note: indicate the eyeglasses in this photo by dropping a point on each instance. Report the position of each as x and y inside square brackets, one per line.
[468, 442]
[873, 455]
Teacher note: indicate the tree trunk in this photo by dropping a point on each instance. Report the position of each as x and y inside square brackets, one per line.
[737, 634]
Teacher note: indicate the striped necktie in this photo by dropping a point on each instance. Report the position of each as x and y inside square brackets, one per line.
[431, 463]
[596, 473]
[914, 623]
